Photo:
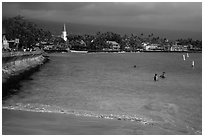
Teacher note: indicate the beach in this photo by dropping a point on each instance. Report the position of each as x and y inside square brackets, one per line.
[36, 123]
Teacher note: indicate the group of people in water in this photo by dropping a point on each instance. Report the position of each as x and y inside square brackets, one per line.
[156, 78]
[184, 58]
[162, 76]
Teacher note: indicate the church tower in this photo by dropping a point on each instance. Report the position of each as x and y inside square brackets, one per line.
[64, 33]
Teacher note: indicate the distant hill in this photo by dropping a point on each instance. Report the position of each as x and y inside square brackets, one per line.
[73, 28]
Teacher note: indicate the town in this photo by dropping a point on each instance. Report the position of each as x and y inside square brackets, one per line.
[21, 35]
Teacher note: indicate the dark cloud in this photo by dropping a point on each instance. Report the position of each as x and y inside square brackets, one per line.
[44, 5]
[157, 15]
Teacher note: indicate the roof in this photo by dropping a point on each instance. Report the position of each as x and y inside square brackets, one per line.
[112, 42]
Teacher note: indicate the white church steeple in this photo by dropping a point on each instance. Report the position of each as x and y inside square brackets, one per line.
[64, 33]
[64, 28]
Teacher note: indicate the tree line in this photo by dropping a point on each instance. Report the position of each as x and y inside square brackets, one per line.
[30, 34]
[134, 42]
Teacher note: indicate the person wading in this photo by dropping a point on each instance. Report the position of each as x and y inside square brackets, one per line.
[155, 77]
[163, 75]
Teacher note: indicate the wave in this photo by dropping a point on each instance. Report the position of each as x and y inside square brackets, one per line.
[56, 109]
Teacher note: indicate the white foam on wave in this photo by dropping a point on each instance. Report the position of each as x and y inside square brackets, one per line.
[57, 109]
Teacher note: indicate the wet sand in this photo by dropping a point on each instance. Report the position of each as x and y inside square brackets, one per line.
[36, 123]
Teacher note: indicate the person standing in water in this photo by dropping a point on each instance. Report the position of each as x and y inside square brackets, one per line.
[187, 55]
[193, 64]
[163, 75]
[155, 77]
[184, 58]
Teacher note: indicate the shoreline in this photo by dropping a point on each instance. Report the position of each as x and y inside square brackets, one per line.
[16, 122]
[88, 52]
[48, 109]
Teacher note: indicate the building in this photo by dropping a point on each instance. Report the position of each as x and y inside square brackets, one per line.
[8, 44]
[178, 47]
[64, 34]
[46, 45]
[113, 45]
[152, 47]
[5, 43]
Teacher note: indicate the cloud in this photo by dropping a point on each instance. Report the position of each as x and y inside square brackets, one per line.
[36, 6]
[175, 16]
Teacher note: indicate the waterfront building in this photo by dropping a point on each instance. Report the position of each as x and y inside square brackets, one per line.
[64, 33]
[152, 47]
[178, 47]
[47, 45]
[5, 43]
[8, 44]
[113, 45]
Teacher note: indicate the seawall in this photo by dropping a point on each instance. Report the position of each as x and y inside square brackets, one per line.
[18, 65]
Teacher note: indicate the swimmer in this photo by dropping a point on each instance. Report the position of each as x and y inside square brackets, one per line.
[184, 58]
[193, 64]
[162, 75]
[155, 77]
[187, 55]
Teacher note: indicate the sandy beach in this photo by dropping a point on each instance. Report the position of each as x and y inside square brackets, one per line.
[16, 122]
[36, 123]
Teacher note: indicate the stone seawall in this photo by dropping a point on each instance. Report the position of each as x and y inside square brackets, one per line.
[16, 63]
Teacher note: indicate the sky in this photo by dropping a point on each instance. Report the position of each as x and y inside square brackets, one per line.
[183, 16]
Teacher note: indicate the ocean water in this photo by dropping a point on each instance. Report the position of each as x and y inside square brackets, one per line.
[107, 85]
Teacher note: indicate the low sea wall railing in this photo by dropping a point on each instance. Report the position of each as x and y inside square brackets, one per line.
[19, 55]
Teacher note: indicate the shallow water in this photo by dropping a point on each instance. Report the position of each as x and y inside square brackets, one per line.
[107, 85]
